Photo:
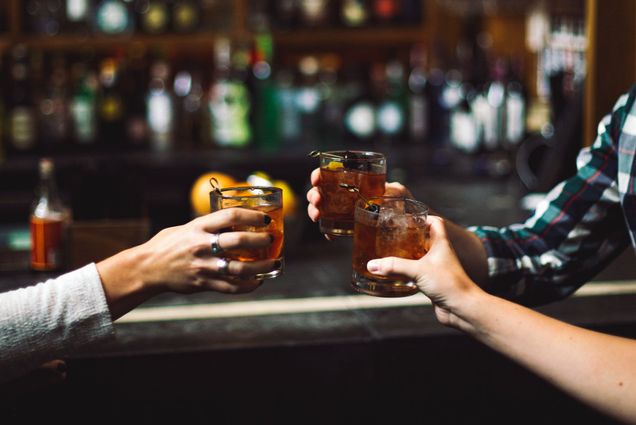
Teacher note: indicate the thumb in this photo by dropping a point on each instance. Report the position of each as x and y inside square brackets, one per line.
[437, 233]
[393, 265]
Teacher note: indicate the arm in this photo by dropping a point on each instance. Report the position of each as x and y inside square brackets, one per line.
[596, 368]
[48, 320]
[574, 233]
[76, 310]
[577, 230]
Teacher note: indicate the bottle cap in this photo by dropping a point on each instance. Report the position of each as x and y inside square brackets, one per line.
[46, 166]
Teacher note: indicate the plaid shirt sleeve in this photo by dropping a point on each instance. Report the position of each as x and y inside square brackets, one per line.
[575, 231]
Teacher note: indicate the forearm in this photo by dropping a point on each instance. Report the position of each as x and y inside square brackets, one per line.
[123, 279]
[598, 369]
[50, 320]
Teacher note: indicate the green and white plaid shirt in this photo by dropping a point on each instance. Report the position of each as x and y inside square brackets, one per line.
[580, 226]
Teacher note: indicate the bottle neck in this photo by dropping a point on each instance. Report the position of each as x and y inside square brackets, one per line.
[47, 202]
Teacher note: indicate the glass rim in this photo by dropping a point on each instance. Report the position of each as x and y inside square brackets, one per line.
[272, 189]
[369, 155]
[425, 208]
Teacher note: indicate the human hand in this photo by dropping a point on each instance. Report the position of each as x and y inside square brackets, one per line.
[180, 259]
[314, 199]
[438, 274]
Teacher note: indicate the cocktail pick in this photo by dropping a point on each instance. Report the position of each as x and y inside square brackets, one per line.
[369, 206]
[216, 186]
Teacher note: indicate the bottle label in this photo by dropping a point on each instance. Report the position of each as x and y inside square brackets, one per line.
[83, 113]
[46, 243]
[112, 17]
[185, 16]
[22, 126]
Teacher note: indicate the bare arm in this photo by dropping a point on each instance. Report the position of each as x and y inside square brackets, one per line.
[596, 368]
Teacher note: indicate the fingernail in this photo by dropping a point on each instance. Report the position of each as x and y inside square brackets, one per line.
[373, 266]
[267, 219]
[61, 368]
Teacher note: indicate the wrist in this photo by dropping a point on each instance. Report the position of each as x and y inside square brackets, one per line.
[125, 280]
[469, 305]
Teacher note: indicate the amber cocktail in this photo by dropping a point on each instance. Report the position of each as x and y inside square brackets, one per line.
[266, 199]
[387, 227]
[365, 171]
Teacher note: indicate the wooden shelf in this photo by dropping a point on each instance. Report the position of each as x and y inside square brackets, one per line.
[352, 36]
[100, 42]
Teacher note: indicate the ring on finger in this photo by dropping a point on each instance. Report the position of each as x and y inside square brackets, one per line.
[214, 244]
[223, 266]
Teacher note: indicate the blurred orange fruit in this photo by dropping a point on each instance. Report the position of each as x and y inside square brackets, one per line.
[290, 202]
[201, 188]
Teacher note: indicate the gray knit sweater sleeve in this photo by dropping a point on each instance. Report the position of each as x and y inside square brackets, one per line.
[52, 319]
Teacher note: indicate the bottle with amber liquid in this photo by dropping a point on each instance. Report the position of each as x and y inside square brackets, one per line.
[49, 223]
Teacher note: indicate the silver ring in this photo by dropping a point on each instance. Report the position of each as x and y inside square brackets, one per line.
[223, 266]
[214, 244]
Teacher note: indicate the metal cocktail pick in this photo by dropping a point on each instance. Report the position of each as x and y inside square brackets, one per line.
[216, 186]
[370, 206]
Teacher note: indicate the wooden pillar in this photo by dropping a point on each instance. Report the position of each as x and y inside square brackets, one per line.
[611, 58]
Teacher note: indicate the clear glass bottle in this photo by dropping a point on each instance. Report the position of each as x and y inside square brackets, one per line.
[160, 108]
[49, 222]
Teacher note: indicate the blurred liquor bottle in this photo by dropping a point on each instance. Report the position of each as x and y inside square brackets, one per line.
[355, 13]
[359, 118]
[418, 104]
[391, 108]
[387, 12]
[315, 13]
[44, 17]
[264, 95]
[53, 114]
[135, 80]
[154, 18]
[495, 92]
[309, 101]
[49, 220]
[290, 127]
[333, 97]
[188, 90]
[464, 132]
[228, 99]
[22, 126]
[77, 16]
[515, 113]
[83, 106]
[114, 17]
[186, 15]
[160, 108]
[111, 109]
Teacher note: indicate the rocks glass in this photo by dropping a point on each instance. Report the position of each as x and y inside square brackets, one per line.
[365, 171]
[387, 227]
[261, 198]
